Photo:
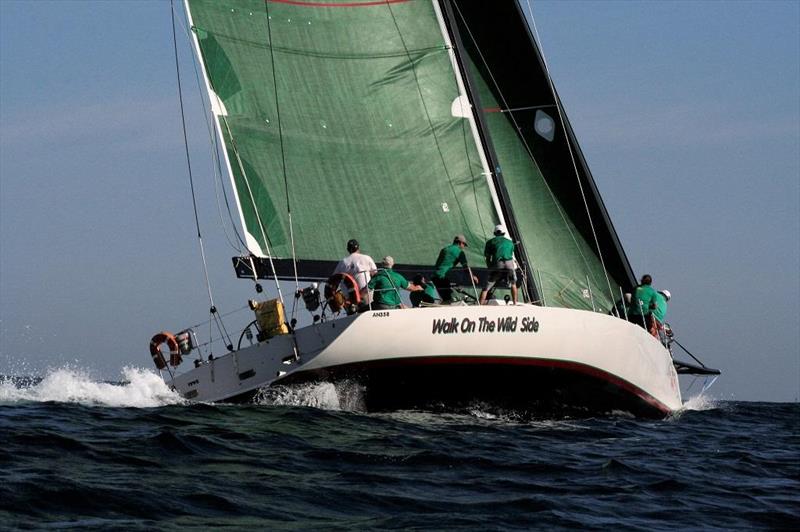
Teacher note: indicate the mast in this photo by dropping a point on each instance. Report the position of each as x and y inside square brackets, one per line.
[506, 212]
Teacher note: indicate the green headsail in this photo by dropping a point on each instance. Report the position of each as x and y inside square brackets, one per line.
[566, 268]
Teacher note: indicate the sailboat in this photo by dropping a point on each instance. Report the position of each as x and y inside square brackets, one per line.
[403, 123]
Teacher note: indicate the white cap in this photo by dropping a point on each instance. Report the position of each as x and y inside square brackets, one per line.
[666, 294]
[388, 261]
[499, 229]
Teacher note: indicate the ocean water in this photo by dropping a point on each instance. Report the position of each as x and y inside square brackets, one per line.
[76, 453]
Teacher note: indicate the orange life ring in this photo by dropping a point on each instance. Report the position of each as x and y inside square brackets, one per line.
[174, 351]
[336, 299]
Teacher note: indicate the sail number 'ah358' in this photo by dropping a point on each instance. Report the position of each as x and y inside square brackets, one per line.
[485, 325]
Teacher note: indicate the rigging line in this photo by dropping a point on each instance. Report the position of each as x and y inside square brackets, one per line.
[223, 120]
[220, 185]
[189, 162]
[527, 108]
[221, 316]
[255, 207]
[571, 152]
[427, 114]
[240, 165]
[221, 325]
[280, 136]
[217, 177]
[688, 353]
[522, 137]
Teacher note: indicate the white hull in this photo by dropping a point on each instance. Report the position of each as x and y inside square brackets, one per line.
[586, 358]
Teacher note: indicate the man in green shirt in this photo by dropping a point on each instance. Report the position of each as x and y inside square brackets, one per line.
[499, 254]
[386, 285]
[449, 257]
[644, 301]
[660, 312]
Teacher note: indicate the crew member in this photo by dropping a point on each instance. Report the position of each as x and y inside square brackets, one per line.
[644, 301]
[386, 285]
[660, 313]
[449, 257]
[426, 295]
[499, 254]
[358, 265]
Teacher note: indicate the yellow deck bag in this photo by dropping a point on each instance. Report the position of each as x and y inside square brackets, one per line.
[270, 317]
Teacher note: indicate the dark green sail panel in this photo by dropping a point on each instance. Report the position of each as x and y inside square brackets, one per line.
[355, 98]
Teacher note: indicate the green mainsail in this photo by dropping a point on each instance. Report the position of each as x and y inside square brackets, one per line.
[342, 113]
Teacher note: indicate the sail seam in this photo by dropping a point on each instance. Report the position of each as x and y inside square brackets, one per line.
[322, 54]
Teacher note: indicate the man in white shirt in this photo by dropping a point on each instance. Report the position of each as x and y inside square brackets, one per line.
[360, 266]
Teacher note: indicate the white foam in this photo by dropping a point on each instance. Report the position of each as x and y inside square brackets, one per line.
[324, 395]
[696, 403]
[140, 388]
[700, 402]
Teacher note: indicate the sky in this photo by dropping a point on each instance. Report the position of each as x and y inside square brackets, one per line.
[688, 114]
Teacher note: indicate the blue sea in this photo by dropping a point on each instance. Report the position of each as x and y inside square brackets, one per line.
[77, 453]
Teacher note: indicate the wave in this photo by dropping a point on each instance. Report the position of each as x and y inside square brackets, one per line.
[140, 388]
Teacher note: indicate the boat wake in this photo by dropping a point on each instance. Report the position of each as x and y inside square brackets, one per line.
[343, 395]
[697, 403]
[139, 388]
